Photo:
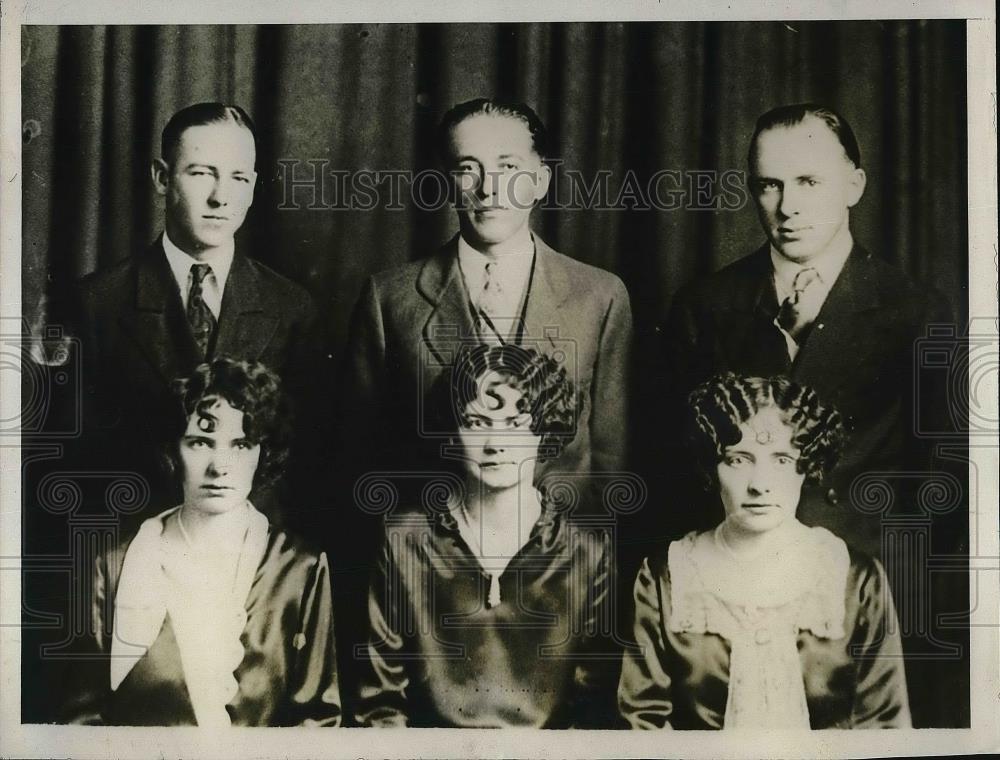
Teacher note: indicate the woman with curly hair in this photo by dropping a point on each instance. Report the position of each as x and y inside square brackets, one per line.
[488, 608]
[210, 615]
[763, 622]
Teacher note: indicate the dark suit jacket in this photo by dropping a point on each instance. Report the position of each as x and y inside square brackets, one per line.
[860, 356]
[135, 340]
[410, 321]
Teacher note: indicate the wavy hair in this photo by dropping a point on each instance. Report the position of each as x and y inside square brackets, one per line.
[547, 392]
[249, 387]
[719, 406]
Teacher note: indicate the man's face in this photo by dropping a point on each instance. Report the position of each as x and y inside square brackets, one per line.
[497, 178]
[209, 187]
[499, 446]
[803, 185]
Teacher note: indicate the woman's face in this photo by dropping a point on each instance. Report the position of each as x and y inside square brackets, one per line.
[218, 461]
[759, 482]
[499, 447]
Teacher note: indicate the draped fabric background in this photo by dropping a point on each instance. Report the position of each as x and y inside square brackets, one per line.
[645, 97]
[617, 98]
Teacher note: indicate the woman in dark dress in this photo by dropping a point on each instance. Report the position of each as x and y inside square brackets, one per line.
[492, 608]
[763, 622]
[209, 615]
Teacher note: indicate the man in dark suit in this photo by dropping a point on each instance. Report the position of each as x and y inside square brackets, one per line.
[813, 304]
[495, 282]
[190, 297]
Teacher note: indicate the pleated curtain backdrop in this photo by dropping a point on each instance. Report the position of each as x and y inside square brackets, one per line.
[616, 97]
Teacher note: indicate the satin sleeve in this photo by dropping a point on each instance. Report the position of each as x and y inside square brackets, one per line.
[644, 688]
[314, 692]
[880, 698]
[382, 699]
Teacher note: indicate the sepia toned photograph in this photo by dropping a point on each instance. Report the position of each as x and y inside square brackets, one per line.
[619, 376]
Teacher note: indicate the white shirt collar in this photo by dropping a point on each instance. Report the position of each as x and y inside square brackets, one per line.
[828, 264]
[220, 259]
[514, 268]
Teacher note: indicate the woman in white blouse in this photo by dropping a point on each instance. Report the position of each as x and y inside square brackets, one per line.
[763, 622]
[212, 616]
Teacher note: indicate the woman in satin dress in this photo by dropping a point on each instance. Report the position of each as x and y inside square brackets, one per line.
[763, 622]
[210, 615]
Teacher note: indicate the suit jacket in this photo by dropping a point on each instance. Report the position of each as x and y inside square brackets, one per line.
[860, 356]
[410, 321]
[135, 340]
[288, 675]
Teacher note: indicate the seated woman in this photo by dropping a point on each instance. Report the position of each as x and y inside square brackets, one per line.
[763, 622]
[490, 610]
[212, 616]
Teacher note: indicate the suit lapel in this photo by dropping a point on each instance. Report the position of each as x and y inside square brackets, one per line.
[440, 282]
[842, 322]
[751, 338]
[549, 290]
[245, 326]
[158, 325]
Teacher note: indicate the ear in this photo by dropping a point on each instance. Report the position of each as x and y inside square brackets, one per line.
[160, 174]
[542, 180]
[856, 186]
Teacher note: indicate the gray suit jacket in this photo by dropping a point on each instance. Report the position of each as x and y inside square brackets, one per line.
[410, 322]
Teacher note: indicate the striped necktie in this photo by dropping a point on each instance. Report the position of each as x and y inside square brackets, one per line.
[199, 316]
[791, 317]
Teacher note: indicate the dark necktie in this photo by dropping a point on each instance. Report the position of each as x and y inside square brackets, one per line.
[790, 315]
[199, 316]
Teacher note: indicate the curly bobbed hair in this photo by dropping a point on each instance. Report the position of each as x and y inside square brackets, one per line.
[719, 406]
[249, 387]
[547, 392]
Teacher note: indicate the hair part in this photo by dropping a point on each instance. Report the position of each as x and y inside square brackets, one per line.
[792, 115]
[199, 115]
[719, 406]
[493, 107]
[249, 387]
[547, 392]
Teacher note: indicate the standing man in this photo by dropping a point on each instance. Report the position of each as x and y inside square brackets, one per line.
[495, 282]
[813, 304]
[188, 298]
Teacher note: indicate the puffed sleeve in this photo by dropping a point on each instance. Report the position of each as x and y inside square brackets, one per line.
[880, 699]
[644, 688]
[383, 682]
[314, 691]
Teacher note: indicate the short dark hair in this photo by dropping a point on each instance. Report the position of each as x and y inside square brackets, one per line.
[199, 115]
[548, 393]
[719, 406]
[251, 388]
[790, 115]
[493, 107]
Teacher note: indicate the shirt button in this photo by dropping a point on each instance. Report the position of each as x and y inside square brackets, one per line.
[831, 496]
[762, 636]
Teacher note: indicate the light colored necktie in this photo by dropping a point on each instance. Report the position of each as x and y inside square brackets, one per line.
[792, 317]
[490, 305]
